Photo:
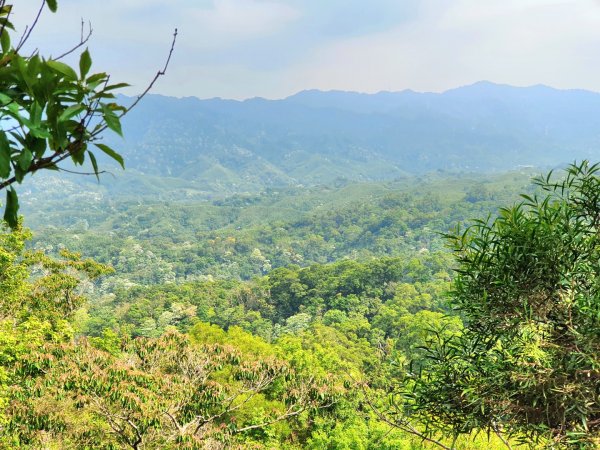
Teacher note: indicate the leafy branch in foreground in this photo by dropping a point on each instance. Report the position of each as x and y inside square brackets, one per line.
[50, 111]
[528, 286]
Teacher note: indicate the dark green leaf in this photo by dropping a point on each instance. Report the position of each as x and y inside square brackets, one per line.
[111, 119]
[52, 5]
[85, 63]
[63, 69]
[4, 155]
[78, 157]
[38, 132]
[35, 113]
[19, 174]
[94, 165]
[5, 41]
[25, 159]
[70, 112]
[12, 208]
[116, 86]
[38, 146]
[110, 152]
[96, 79]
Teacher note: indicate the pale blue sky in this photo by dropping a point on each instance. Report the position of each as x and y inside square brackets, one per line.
[273, 48]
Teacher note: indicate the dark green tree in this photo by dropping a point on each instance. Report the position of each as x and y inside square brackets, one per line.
[49, 111]
[528, 288]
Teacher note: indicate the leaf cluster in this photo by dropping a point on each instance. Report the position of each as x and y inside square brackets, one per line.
[528, 288]
[49, 111]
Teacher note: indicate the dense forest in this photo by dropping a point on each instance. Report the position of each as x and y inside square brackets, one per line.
[341, 285]
[266, 308]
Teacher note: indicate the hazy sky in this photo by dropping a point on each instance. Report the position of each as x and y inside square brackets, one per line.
[273, 48]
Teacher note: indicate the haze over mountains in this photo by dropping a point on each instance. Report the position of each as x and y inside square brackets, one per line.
[216, 147]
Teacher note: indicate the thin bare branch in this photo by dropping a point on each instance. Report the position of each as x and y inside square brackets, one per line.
[404, 425]
[28, 29]
[61, 169]
[75, 145]
[500, 435]
[284, 416]
[179, 428]
[82, 41]
[159, 74]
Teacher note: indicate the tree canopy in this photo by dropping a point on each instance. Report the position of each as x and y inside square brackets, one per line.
[528, 289]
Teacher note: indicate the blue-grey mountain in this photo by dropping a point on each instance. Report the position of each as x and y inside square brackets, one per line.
[314, 137]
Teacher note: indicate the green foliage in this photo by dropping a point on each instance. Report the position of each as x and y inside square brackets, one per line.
[329, 324]
[39, 295]
[228, 388]
[527, 287]
[150, 241]
[369, 300]
[160, 393]
[49, 112]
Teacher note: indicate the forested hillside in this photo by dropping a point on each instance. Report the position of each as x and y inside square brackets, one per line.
[331, 270]
[197, 149]
[155, 310]
[346, 281]
[245, 235]
[221, 146]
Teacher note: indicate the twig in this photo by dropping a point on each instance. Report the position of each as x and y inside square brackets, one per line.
[159, 74]
[499, 434]
[288, 414]
[406, 426]
[82, 40]
[74, 146]
[81, 173]
[40, 164]
[28, 29]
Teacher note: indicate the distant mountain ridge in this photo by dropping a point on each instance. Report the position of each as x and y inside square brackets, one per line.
[314, 136]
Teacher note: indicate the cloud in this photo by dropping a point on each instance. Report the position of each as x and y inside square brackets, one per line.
[244, 48]
[216, 22]
[453, 43]
[243, 19]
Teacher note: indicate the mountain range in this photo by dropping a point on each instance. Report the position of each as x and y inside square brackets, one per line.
[217, 146]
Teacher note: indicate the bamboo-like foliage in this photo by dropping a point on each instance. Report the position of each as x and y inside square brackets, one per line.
[528, 288]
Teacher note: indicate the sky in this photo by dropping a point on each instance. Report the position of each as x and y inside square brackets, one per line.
[274, 48]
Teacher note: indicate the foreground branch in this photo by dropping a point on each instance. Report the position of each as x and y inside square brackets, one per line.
[405, 425]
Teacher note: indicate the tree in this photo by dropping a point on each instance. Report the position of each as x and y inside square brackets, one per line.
[528, 288]
[156, 393]
[50, 111]
[38, 295]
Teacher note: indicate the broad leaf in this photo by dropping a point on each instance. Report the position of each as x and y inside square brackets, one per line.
[4, 155]
[94, 165]
[63, 69]
[85, 63]
[25, 159]
[12, 208]
[110, 152]
[5, 41]
[52, 5]
[70, 112]
[112, 121]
